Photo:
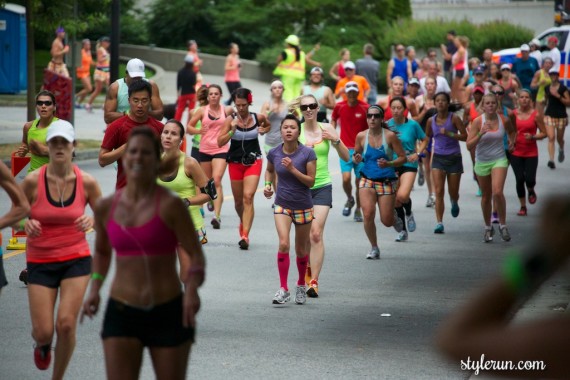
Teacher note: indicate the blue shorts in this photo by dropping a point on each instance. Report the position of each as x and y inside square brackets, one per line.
[348, 166]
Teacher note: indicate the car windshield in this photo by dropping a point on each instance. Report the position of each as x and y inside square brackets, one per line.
[562, 35]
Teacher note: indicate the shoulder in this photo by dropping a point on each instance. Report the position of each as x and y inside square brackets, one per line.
[28, 125]
[103, 206]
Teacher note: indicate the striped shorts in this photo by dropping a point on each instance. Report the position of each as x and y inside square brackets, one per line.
[558, 123]
[384, 187]
[299, 217]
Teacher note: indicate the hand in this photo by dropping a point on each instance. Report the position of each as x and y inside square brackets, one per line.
[528, 136]
[329, 135]
[267, 191]
[204, 129]
[357, 158]
[382, 163]
[413, 157]
[485, 128]
[511, 146]
[90, 306]
[22, 150]
[35, 147]
[84, 223]
[33, 228]
[288, 164]
[191, 305]
[65, 49]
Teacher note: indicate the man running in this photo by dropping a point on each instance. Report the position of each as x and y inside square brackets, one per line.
[323, 93]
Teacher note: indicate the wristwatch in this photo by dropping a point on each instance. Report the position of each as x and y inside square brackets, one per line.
[186, 202]
[335, 143]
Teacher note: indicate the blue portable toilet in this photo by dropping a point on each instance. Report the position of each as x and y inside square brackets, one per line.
[13, 50]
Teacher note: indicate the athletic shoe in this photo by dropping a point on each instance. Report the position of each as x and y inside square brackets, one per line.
[374, 254]
[42, 356]
[531, 197]
[211, 206]
[488, 236]
[348, 206]
[398, 224]
[300, 295]
[202, 212]
[505, 235]
[561, 156]
[494, 218]
[244, 243]
[88, 108]
[78, 106]
[421, 178]
[402, 236]
[202, 236]
[281, 297]
[411, 222]
[479, 192]
[313, 290]
[439, 229]
[308, 274]
[24, 276]
[430, 201]
[216, 223]
[454, 209]
[522, 211]
[551, 165]
[358, 216]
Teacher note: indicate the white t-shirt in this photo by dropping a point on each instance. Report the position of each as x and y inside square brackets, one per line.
[554, 54]
[442, 85]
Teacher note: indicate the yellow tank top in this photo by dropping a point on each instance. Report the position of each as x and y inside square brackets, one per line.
[540, 95]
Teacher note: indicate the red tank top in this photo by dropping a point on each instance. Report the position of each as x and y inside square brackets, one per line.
[473, 114]
[524, 147]
[60, 240]
[152, 238]
[388, 111]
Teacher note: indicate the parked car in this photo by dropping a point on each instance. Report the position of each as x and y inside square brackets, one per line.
[561, 32]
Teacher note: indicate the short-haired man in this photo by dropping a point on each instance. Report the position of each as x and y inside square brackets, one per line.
[58, 51]
[442, 85]
[362, 83]
[535, 51]
[117, 133]
[322, 93]
[368, 67]
[351, 116]
[399, 66]
[525, 67]
[117, 101]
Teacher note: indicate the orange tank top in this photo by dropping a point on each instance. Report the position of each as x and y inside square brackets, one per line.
[60, 240]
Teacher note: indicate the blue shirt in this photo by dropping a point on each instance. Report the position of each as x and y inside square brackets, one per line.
[408, 133]
[525, 70]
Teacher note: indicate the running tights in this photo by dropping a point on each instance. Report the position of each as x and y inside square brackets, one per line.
[525, 173]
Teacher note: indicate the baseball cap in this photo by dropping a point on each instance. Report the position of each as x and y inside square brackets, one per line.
[505, 66]
[351, 86]
[535, 42]
[189, 58]
[553, 71]
[553, 39]
[349, 65]
[135, 68]
[59, 30]
[414, 81]
[61, 128]
[292, 40]
[478, 89]
[525, 47]
[478, 70]
[316, 69]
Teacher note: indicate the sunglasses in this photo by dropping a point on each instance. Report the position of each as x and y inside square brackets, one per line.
[312, 106]
[44, 103]
[498, 93]
[505, 69]
[374, 116]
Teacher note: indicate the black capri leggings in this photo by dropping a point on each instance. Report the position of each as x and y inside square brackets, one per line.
[525, 173]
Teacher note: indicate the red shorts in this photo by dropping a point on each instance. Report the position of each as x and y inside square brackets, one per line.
[238, 171]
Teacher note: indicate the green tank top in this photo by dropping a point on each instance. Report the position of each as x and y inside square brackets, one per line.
[323, 176]
[40, 135]
[185, 187]
[196, 138]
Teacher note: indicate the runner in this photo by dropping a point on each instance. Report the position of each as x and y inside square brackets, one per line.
[58, 51]
[459, 61]
[185, 88]
[102, 73]
[295, 166]
[337, 69]
[398, 66]
[539, 82]
[397, 91]
[471, 111]
[556, 117]
[323, 93]
[275, 111]
[510, 86]
[426, 105]
[232, 68]
[368, 67]
[83, 72]
[363, 86]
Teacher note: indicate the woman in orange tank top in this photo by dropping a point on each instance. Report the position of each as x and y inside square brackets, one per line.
[84, 72]
[57, 253]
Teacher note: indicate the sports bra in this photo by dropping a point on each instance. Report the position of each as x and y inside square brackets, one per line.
[152, 238]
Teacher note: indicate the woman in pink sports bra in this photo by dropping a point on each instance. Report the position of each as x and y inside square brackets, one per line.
[144, 223]
[212, 157]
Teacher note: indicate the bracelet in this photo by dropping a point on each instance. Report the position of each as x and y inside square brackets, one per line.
[186, 202]
[268, 183]
[97, 276]
[230, 133]
[22, 224]
[390, 163]
[451, 134]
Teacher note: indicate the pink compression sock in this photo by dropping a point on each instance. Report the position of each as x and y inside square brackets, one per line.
[302, 268]
[283, 267]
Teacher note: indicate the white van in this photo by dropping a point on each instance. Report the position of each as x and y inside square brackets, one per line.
[561, 32]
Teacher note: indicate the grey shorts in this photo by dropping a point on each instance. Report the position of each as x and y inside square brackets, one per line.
[322, 196]
[449, 163]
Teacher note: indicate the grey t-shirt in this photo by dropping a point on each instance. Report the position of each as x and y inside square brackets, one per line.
[291, 193]
[368, 67]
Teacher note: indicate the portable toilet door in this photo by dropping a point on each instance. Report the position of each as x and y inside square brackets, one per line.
[13, 61]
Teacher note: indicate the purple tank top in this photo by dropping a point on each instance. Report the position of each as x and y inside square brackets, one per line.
[444, 145]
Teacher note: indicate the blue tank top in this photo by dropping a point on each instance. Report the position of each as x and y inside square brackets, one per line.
[415, 66]
[370, 157]
[400, 69]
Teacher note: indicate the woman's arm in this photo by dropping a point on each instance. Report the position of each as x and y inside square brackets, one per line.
[265, 109]
[306, 179]
[24, 148]
[511, 132]
[396, 146]
[196, 116]
[20, 205]
[264, 125]
[459, 126]
[269, 180]
[539, 120]
[193, 170]
[227, 131]
[334, 71]
[474, 134]
[535, 79]
[329, 133]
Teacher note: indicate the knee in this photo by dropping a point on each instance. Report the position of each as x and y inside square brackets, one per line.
[42, 335]
[283, 245]
[498, 193]
[218, 181]
[316, 236]
[65, 326]
[368, 215]
[388, 221]
[238, 203]
[402, 199]
[248, 199]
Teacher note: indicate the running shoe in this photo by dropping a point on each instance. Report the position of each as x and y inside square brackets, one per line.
[313, 290]
[531, 197]
[488, 236]
[561, 155]
[300, 295]
[430, 201]
[244, 243]
[374, 254]
[281, 297]
[398, 224]
[348, 206]
[411, 222]
[202, 212]
[402, 236]
[522, 211]
[308, 274]
[42, 356]
[211, 206]
[358, 216]
[421, 177]
[88, 108]
[202, 235]
[454, 209]
[551, 165]
[439, 229]
[505, 235]
[24, 276]
[494, 218]
[479, 192]
[216, 223]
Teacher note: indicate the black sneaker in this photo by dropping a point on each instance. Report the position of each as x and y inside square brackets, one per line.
[24, 276]
[551, 165]
[561, 156]
[348, 206]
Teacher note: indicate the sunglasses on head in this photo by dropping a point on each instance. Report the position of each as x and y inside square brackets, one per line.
[374, 115]
[312, 106]
[44, 103]
[499, 93]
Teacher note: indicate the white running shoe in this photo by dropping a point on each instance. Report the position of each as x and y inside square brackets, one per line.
[374, 254]
[300, 295]
[402, 236]
[281, 297]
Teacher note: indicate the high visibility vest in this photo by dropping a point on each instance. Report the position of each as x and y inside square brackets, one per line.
[290, 67]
